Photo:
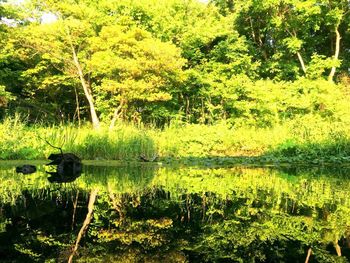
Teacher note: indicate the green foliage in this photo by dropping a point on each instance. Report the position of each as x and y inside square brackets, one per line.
[15, 145]
[254, 71]
[318, 66]
[134, 69]
[4, 97]
[263, 103]
[122, 143]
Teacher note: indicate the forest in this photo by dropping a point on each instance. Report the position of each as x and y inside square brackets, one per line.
[177, 78]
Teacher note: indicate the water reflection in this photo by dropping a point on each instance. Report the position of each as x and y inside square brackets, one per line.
[148, 214]
[63, 177]
[68, 167]
[65, 174]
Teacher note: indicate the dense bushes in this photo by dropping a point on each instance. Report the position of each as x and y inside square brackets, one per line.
[265, 103]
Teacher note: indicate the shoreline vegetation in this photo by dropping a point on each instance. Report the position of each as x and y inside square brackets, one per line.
[188, 82]
[297, 141]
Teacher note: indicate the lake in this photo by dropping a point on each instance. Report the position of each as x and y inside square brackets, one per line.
[148, 213]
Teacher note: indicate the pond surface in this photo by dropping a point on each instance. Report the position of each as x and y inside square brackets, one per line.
[146, 213]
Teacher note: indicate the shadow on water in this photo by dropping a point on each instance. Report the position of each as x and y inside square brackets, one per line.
[146, 213]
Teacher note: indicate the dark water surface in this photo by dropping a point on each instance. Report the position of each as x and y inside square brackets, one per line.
[145, 213]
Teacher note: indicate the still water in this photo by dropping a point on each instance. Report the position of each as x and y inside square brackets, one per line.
[147, 213]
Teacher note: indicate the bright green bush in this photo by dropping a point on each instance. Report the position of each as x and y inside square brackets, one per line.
[265, 103]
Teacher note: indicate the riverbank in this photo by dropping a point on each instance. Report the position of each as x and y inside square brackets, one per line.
[299, 141]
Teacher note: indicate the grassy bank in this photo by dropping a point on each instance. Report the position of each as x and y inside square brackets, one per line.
[304, 140]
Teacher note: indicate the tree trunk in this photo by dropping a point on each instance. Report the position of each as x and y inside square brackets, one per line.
[300, 57]
[309, 251]
[85, 84]
[188, 207]
[347, 239]
[187, 108]
[301, 62]
[337, 248]
[204, 204]
[87, 90]
[336, 54]
[116, 114]
[77, 110]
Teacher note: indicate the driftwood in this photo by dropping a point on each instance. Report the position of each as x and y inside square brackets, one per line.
[58, 158]
[68, 167]
[143, 158]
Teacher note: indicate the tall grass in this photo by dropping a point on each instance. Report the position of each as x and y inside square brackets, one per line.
[125, 142]
[304, 139]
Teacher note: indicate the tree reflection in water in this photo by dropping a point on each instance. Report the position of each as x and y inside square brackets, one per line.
[149, 214]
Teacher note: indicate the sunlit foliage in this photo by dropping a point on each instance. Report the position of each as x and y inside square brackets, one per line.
[160, 61]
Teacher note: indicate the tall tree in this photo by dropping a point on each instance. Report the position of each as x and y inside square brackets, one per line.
[121, 61]
[132, 67]
[65, 44]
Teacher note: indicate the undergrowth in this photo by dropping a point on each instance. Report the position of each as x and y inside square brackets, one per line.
[306, 139]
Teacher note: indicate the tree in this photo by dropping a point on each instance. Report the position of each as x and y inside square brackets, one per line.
[64, 45]
[130, 67]
[80, 43]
